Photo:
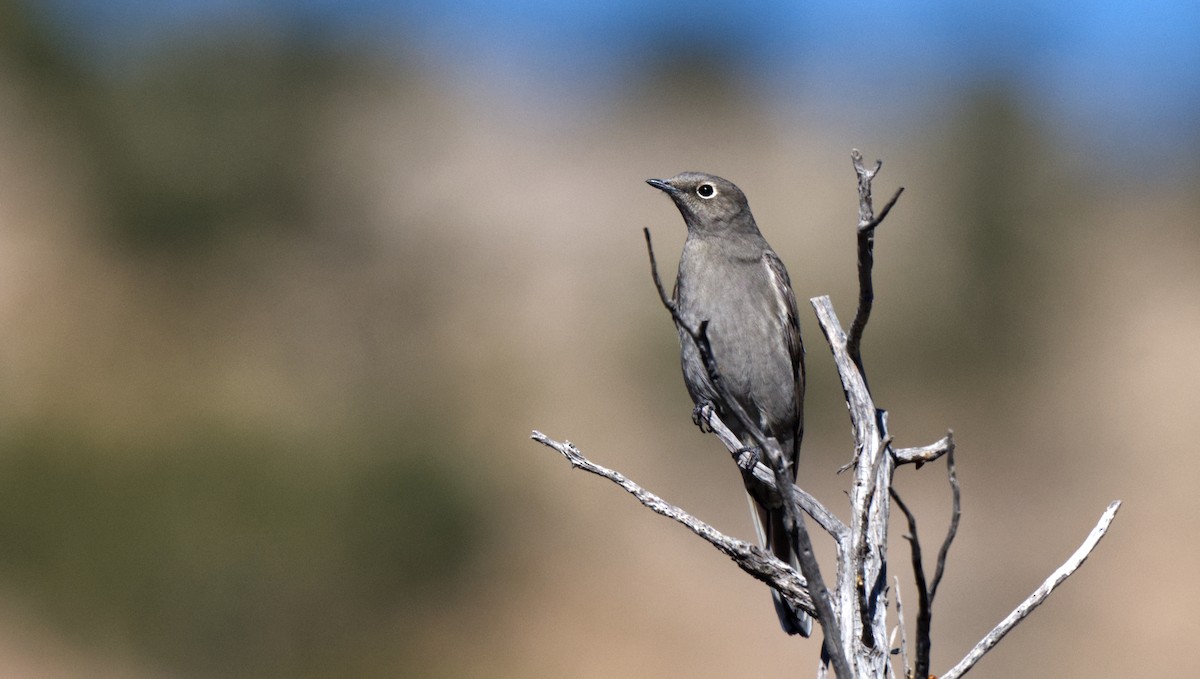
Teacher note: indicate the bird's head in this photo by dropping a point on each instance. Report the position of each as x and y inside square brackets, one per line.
[708, 203]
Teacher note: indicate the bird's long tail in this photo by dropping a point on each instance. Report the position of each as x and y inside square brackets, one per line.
[774, 537]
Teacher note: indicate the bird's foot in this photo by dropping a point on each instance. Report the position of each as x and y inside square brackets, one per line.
[700, 415]
[748, 457]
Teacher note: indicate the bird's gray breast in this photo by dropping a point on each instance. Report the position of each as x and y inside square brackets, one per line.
[727, 284]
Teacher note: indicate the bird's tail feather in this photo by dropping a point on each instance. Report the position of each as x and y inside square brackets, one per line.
[772, 536]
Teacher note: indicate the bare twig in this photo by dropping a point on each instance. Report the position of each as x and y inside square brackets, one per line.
[924, 600]
[926, 591]
[955, 514]
[750, 558]
[887, 207]
[867, 221]
[861, 571]
[1039, 595]
[903, 633]
[658, 285]
[923, 454]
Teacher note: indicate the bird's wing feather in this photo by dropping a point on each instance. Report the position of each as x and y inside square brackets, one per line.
[785, 300]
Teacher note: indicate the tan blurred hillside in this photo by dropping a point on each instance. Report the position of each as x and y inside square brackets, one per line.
[276, 320]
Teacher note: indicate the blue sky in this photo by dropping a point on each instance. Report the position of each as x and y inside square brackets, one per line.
[1127, 69]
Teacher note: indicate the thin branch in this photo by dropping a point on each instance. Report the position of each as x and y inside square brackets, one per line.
[903, 632]
[886, 208]
[867, 221]
[955, 514]
[866, 257]
[1039, 595]
[924, 600]
[927, 592]
[662, 292]
[757, 562]
[923, 454]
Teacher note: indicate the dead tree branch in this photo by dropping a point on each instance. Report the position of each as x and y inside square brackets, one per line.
[955, 515]
[861, 571]
[750, 558]
[867, 221]
[1039, 595]
[903, 633]
[919, 456]
[927, 590]
[924, 600]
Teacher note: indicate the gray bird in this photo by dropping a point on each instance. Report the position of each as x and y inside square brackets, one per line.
[730, 277]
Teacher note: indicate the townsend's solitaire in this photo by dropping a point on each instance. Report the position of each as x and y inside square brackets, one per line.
[730, 277]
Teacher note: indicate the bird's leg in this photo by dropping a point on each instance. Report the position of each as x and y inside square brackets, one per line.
[700, 415]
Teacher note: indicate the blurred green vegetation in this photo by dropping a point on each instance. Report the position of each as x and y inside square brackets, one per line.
[215, 138]
[216, 548]
[1000, 207]
[998, 202]
[203, 138]
[230, 554]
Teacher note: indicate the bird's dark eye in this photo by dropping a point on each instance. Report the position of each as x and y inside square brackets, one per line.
[706, 191]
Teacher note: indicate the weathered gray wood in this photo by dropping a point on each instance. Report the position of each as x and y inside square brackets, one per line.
[1039, 595]
[862, 572]
[754, 560]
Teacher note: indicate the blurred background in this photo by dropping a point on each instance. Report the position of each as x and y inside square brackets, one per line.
[284, 287]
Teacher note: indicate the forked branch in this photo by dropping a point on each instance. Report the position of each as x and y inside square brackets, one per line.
[867, 221]
[927, 590]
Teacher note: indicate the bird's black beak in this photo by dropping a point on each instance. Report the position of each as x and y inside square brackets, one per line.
[662, 185]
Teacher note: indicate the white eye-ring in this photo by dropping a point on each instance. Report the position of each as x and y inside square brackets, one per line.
[706, 191]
